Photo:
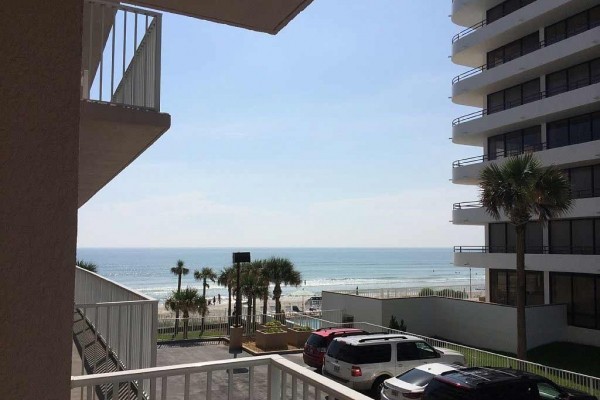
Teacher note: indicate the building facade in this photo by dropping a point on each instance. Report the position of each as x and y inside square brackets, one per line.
[534, 76]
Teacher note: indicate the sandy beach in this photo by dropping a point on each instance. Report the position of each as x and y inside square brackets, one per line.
[220, 310]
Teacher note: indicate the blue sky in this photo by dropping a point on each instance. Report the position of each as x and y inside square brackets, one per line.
[332, 133]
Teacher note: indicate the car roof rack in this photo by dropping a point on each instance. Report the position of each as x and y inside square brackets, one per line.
[381, 338]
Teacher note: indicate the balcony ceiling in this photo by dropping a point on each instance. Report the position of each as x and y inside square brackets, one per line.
[110, 138]
[268, 16]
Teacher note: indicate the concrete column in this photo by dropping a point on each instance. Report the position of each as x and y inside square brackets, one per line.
[546, 287]
[40, 43]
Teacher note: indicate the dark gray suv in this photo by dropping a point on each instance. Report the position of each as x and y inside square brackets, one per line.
[480, 383]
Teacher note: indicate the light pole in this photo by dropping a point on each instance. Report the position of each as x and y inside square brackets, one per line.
[470, 285]
[235, 337]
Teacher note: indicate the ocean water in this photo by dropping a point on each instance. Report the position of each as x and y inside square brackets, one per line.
[148, 269]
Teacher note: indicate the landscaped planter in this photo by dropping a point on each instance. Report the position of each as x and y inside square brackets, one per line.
[271, 341]
[297, 338]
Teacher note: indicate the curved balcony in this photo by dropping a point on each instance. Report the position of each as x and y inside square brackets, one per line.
[471, 87]
[469, 12]
[586, 203]
[468, 170]
[579, 97]
[470, 46]
[542, 260]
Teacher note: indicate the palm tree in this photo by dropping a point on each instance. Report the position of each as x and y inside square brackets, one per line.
[179, 270]
[87, 265]
[253, 285]
[227, 279]
[206, 274]
[187, 301]
[281, 270]
[522, 189]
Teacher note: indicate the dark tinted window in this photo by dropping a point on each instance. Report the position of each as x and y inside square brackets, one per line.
[497, 238]
[584, 305]
[375, 353]
[416, 377]
[437, 390]
[577, 24]
[503, 289]
[556, 83]
[578, 76]
[407, 351]
[560, 237]
[558, 134]
[317, 341]
[555, 33]
[595, 17]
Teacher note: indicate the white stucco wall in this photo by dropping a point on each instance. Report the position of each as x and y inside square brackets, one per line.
[477, 324]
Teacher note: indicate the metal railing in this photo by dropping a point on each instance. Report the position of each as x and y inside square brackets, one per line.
[481, 358]
[271, 377]
[528, 99]
[123, 319]
[500, 154]
[467, 204]
[452, 291]
[214, 326]
[483, 23]
[121, 55]
[573, 249]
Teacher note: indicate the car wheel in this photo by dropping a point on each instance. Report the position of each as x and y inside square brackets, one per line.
[377, 386]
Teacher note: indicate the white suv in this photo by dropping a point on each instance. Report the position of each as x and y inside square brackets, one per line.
[363, 362]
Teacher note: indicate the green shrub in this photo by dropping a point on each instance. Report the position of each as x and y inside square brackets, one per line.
[274, 324]
[454, 294]
[302, 328]
[427, 292]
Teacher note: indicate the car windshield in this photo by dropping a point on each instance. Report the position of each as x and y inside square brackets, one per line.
[317, 341]
[416, 377]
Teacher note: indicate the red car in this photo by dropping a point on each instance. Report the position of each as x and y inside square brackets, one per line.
[316, 345]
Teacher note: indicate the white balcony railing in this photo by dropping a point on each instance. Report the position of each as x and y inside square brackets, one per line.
[123, 320]
[121, 55]
[265, 377]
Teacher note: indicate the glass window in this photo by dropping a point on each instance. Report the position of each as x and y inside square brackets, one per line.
[580, 129]
[560, 291]
[534, 238]
[511, 6]
[426, 351]
[531, 91]
[558, 134]
[407, 351]
[532, 138]
[579, 76]
[548, 391]
[511, 238]
[577, 24]
[530, 43]
[416, 377]
[514, 143]
[595, 71]
[495, 57]
[512, 50]
[597, 302]
[498, 286]
[555, 33]
[556, 83]
[495, 102]
[498, 238]
[534, 287]
[596, 126]
[496, 147]
[495, 13]
[584, 302]
[594, 17]
[596, 185]
[512, 97]
[582, 236]
[581, 182]
[560, 237]
[512, 289]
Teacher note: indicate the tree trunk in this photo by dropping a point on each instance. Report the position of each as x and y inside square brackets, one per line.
[521, 293]
[177, 310]
[204, 309]
[265, 302]
[229, 302]
[185, 324]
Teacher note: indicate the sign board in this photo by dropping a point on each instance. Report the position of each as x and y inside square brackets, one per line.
[243, 257]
